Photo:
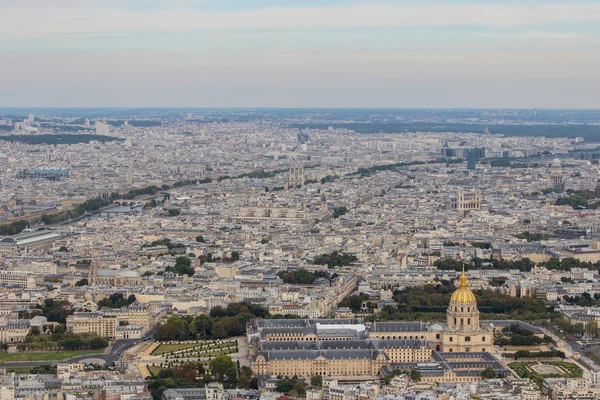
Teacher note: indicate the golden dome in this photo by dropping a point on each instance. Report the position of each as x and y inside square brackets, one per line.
[463, 295]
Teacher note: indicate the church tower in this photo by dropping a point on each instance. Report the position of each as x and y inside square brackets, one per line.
[462, 310]
[462, 331]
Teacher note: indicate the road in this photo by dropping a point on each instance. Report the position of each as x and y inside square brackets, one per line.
[571, 346]
[116, 351]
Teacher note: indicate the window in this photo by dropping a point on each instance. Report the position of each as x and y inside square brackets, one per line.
[483, 338]
[462, 321]
[450, 350]
[450, 338]
[437, 335]
[467, 338]
[468, 321]
[482, 349]
[454, 321]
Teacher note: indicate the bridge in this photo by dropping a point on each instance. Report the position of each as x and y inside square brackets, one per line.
[113, 213]
[126, 203]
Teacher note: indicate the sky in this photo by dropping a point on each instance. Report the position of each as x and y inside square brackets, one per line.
[300, 53]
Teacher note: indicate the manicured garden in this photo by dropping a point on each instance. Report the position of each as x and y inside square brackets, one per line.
[207, 348]
[527, 370]
[164, 348]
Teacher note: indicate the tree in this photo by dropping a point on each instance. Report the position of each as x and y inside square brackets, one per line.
[187, 372]
[221, 329]
[245, 378]
[283, 386]
[200, 239]
[82, 282]
[183, 266]
[235, 255]
[173, 212]
[131, 299]
[316, 381]
[355, 303]
[166, 331]
[223, 368]
[115, 300]
[415, 375]
[488, 373]
[339, 211]
[300, 277]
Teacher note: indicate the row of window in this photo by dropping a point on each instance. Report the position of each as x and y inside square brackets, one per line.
[467, 338]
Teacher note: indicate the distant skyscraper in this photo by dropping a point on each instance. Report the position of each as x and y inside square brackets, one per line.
[303, 137]
[448, 152]
[188, 116]
[102, 128]
[31, 118]
[471, 160]
[86, 123]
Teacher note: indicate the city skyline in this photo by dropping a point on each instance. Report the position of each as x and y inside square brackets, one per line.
[389, 54]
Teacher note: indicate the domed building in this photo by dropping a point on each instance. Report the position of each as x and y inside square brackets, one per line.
[454, 351]
[462, 331]
[556, 174]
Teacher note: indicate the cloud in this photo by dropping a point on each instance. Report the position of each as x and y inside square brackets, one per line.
[68, 18]
[402, 79]
[534, 35]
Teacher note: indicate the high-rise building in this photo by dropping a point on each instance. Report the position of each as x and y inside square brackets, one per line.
[471, 160]
[102, 128]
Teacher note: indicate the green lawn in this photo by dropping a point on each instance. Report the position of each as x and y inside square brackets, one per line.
[208, 345]
[167, 348]
[573, 369]
[154, 370]
[48, 356]
[519, 365]
[202, 355]
[19, 370]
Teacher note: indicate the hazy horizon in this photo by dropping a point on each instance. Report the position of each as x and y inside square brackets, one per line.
[458, 54]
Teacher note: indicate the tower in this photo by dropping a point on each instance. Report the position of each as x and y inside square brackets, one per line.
[296, 177]
[462, 310]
